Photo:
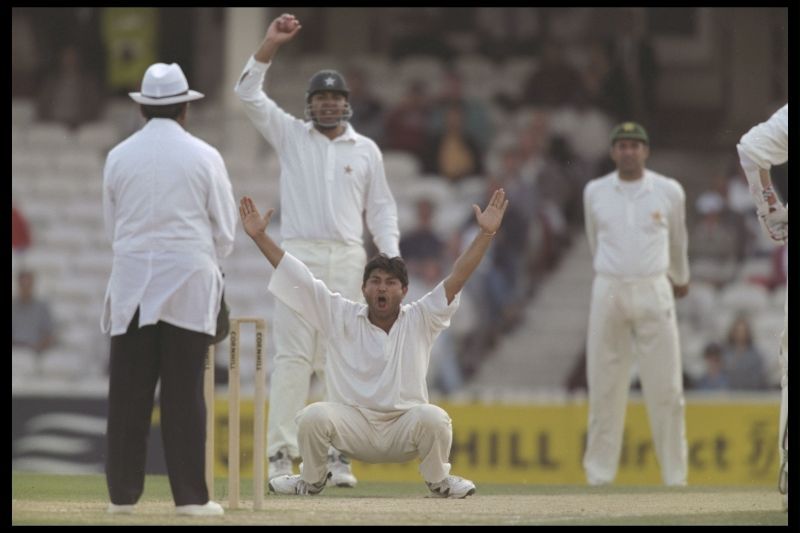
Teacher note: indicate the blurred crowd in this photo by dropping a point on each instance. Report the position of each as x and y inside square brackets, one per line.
[542, 144]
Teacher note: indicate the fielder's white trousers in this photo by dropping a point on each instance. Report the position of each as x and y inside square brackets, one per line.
[299, 350]
[424, 431]
[634, 318]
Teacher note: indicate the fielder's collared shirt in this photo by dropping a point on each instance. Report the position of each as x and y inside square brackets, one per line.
[366, 367]
[637, 233]
[767, 143]
[170, 214]
[326, 185]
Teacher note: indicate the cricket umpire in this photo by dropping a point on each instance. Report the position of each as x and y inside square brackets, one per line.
[635, 224]
[170, 215]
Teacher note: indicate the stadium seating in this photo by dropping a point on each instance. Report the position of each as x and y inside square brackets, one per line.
[57, 180]
[23, 111]
[746, 297]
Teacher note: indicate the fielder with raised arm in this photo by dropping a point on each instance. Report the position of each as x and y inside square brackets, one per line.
[765, 145]
[330, 176]
[378, 356]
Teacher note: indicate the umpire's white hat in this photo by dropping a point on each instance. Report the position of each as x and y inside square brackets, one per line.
[165, 85]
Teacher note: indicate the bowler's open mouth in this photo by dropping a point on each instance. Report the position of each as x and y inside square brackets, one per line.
[382, 301]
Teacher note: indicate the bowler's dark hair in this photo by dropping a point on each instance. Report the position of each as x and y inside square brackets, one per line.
[393, 265]
[172, 111]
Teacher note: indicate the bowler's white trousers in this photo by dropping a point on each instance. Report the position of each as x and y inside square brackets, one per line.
[299, 350]
[634, 318]
[424, 431]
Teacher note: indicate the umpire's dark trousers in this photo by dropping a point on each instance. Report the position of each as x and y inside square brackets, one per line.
[139, 358]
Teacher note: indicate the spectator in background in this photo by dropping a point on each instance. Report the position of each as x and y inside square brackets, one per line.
[498, 283]
[505, 32]
[526, 204]
[712, 242]
[509, 173]
[604, 80]
[741, 205]
[532, 143]
[25, 56]
[563, 180]
[586, 126]
[20, 231]
[777, 275]
[367, 109]
[71, 95]
[32, 324]
[454, 154]
[505, 290]
[407, 124]
[744, 364]
[474, 112]
[417, 33]
[444, 374]
[422, 243]
[555, 83]
[715, 377]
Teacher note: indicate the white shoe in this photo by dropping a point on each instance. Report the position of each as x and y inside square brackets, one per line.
[452, 487]
[211, 508]
[341, 473]
[120, 509]
[280, 464]
[294, 485]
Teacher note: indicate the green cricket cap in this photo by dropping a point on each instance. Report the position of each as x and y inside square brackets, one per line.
[629, 130]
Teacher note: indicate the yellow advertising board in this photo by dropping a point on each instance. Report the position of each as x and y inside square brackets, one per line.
[729, 443]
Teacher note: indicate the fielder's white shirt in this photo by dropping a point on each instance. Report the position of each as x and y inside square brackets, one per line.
[170, 214]
[326, 185]
[637, 233]
[366, 367]
[767, 143]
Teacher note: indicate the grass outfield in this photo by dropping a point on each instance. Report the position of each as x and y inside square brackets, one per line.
[81, 500]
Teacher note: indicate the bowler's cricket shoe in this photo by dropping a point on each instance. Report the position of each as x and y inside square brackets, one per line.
[452, 487]
[294, 486]
[341, 473]
[280, 464]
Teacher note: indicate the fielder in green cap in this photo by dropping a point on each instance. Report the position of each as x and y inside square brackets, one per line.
[636, 230]
[629, 130]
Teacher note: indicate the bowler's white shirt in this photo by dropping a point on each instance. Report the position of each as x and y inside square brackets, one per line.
[365, 366]
[170, 215]
[326, 185]
[767, 143]
[637, 235]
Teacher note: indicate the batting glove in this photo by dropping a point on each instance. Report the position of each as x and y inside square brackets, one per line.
[774, 217]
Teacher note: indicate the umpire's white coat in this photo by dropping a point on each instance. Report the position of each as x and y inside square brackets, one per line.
[637, 235]
[169, 211]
